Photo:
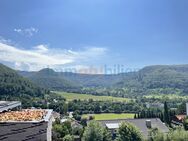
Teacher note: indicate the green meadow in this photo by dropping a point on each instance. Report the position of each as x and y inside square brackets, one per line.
[167, 96]
[73, 96]
[110, 116]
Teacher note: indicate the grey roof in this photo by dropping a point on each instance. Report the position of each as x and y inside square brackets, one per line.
[139, 123]
[7, 105]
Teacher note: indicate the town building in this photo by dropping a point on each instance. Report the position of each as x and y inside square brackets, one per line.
[144, 125]
[179, 119]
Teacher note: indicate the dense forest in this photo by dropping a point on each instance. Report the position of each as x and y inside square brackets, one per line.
[49, 79]
[14, 85]
[161, 79]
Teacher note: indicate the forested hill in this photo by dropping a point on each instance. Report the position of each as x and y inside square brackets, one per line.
[161, 76]
[14, 85]
[48, 78]
[165, 79]
[160, 79]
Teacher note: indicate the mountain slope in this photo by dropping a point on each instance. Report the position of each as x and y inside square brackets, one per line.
[175, 76]
[14, 85]
[49, 79]
[93, 80]
[159, 79]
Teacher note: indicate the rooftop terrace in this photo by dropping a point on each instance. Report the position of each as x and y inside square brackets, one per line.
[25, 115]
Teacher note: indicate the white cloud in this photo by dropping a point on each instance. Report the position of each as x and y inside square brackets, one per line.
[42, 56]
[5, 41]
[41, 48]
[18, 30]
[27, 31]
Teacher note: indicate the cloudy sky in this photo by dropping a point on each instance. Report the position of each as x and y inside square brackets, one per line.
[83, 33]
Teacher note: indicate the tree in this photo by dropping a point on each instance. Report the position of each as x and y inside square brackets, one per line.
[185, 123]
[84, 121]
[68, 138]
[138, 115]
[162, 116]
[178, 135]
[91, 117]
[128, 132]
[166, 114]
[97, 108]
[95, 132]
[61, 130]
[174, 135]
[67, 124]
[106, 135]
[155, 135]
[65, 108]
[135, 115]
[182, 108]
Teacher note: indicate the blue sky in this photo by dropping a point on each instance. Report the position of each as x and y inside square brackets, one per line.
[80, 33]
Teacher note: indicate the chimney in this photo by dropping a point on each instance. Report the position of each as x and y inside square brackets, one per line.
[148, 123]
[187, 109]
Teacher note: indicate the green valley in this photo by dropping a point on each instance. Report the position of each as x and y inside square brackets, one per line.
[77, 96]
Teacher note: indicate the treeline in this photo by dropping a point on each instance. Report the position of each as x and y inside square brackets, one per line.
[51, 101]
[149, 114]
[90, 107]
[166, 115]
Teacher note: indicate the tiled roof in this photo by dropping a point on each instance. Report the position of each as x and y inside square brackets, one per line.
[180, 117]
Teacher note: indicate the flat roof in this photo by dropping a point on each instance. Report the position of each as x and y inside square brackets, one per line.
[112, 125]
[7, 105]
[26, 115]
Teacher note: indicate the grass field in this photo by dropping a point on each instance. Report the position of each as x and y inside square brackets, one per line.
[168, 96]
[73, 96]
[110, 116]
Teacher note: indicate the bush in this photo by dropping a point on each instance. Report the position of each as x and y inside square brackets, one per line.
[176, 135]
[68, 138]
[128, 132]
[96, 132]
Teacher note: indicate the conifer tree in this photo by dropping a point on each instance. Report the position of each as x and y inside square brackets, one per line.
[166, 114]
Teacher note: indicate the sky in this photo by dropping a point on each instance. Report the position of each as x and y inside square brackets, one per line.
[99, 34]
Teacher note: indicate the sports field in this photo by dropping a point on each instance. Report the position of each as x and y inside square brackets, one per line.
[110, 116]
